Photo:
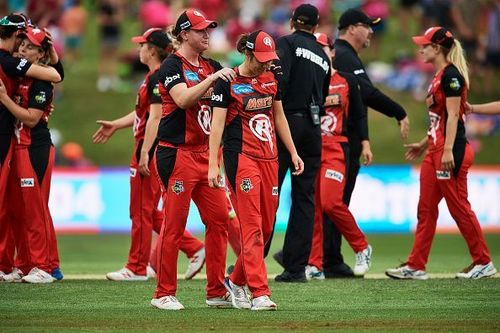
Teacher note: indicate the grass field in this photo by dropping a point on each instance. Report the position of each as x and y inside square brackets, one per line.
[350, 305]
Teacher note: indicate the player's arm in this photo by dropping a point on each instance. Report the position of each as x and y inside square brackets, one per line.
[18, 67]
[109, 127]
[492, 108]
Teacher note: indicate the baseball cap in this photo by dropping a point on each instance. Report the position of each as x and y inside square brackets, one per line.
[435, 35]
[262, 45]
[36, 36]
[353, 16]
[323, 39]
[193, 19]
[306, 14]
[155, 36]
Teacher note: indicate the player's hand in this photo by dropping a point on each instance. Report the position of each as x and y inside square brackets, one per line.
[404, 128]
[413, 151]
[366, 153]
[54, 58]
[468, 108]
[144, 164]
[214, 178]
[104, 132]
[447, 160]
[227, 74]
[298, 165]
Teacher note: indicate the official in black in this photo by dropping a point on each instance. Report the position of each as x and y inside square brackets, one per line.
[355, 31]
[304, 85]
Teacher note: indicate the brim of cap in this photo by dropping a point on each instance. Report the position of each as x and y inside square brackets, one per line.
[421, 40]
[139, 39]
[322, 42]
[265, 56]
[204, 25]
[32, 39]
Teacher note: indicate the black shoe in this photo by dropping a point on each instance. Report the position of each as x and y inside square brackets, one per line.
[291, 277]
[230, 269]
[338, 271]
[278, 256]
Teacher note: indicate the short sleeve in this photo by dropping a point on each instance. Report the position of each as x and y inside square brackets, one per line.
[40, 95]
[13, 66]
[170, 72]
[452, 82]
[221, 95]
[154, 89]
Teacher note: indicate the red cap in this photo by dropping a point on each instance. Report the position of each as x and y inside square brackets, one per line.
[435, 35]
[262, 45]
[193, 19]
[35, 35]
[322, 39]
[155, 36]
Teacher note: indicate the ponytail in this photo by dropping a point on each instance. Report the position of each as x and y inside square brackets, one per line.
[241, 44]
[457, 58]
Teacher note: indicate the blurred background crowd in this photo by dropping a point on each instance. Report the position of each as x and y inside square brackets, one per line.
[92, 37]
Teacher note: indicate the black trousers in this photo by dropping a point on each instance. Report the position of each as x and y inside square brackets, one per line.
[298, 237]
[332, 238]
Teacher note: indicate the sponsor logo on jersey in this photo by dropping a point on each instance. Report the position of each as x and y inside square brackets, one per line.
[268, 84]
[260, 125]
[208, 94]
[192, 76]
[21, 64]
[171, 79]
[328, 123]
[336, 86]
[240, 89]
[313, 57]
[246, 185]
[258, 103]
[359, 71]
[455, 84]
[333, 100]
[441, 174]
[335, 175]
[275, 190]
[204, 119]
[217, 98]
[27, 182]
[40, 98]
[178, 187]
[133, 172]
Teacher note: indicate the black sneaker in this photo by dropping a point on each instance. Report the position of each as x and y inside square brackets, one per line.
[338, 271]
[278, 256]
[291, 277]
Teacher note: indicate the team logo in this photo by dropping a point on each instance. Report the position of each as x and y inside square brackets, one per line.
[197, 13]
[260, 125]
[328, 123]
[268, 42]
[455, 84]
[192, 76]
[36, 31]
[133, 172]
[204, 119]
[178, 187]
[246, 185]
[441, 174]
[40, 98]
[434, 125]
[240, 89]
[335, 175]
[27, 182]
[275, 190]
[156, 90]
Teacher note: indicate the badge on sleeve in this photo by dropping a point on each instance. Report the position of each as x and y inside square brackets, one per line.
[455, 84]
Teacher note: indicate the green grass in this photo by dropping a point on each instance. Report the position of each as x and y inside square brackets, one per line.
[352, 305]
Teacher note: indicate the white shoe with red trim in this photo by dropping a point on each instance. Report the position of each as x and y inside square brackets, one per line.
[263, 303]
[195, 264]
[15, 276]
[37, 275]
[167, 303]
[125, 274]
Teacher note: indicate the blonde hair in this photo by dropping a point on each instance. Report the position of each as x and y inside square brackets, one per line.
[457, 58]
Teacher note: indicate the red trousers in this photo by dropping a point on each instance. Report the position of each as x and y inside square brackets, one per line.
[184, 176]
[7, 247]
[434, 185]
[330, 186]
[34, 232]
[254, 192]
[145, 193]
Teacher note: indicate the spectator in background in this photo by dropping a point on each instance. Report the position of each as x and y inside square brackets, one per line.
[406, 11]
[491, 49]
[110, 16]
[73, 155]
[73, 23]
[377, 8]
[155, 13]
[44, 13]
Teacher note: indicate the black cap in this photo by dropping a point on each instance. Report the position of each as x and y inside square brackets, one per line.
[306, 14]
[353, 16]
[14, 20]
[155, 36]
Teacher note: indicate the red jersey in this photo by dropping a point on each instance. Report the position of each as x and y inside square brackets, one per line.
[148, 94]
[250, 128]
[34, 94]
[343, 110]
[446, 83]
[186, 129]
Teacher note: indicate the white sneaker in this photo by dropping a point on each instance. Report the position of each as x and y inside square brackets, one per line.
[15, 276]
[195, 264]
[263, 303]
[239, 297]
[150, 272]
[313, 273]
[405, 272]
[167, 303]
[475, 272]
[363, 262]
[125, 274]
[220, 302]
[2, 274]
[38, 276]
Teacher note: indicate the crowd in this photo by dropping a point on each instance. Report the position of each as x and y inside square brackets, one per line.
[225, 137]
